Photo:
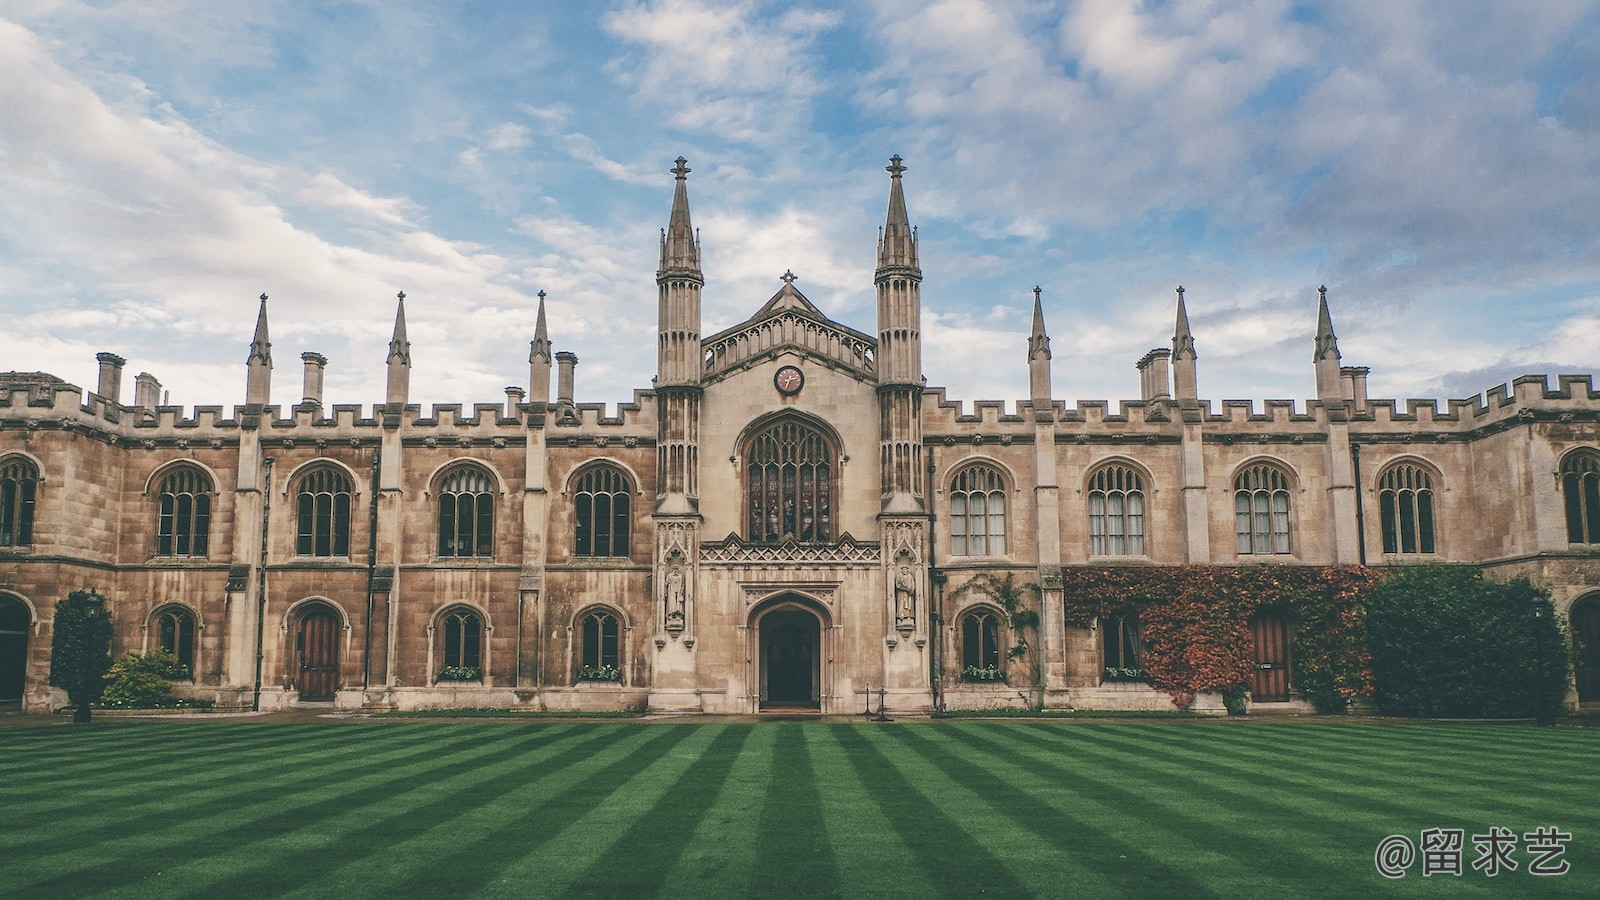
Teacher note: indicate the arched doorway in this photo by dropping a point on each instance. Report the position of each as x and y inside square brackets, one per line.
[15, 621]
[1269, 681]
[316, 646]
[791, 659]
[1586, 634]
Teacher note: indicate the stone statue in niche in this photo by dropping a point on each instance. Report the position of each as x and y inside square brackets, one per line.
[675, 593]
[905, 595]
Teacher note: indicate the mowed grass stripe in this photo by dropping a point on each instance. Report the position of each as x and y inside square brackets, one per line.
[180, 848]
[872, 856]
[625, 845]
[1020, 799]
[356, 843]
[241, 772]
[705, 832]
[515, 818]
[795, 857]
[937, 829]
[106, 817]
[1462, 781]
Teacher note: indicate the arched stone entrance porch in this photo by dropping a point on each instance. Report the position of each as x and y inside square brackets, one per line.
[791, 654]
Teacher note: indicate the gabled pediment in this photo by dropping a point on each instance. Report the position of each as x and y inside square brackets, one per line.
[788, 321]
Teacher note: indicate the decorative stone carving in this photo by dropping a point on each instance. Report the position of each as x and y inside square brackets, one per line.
[733, 551]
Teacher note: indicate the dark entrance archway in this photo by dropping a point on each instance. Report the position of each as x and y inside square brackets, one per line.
[316, 647]
[791, 659]
[1269, 681]
[1586, 634]
[15, 621]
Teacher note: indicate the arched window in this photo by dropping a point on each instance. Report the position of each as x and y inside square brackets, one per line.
[1261, 509]
[789, 485]
[598, 652]
[19, 480]
[462, 637]
[1405, 504]
[601, 500]
[175, 634]
[466, 513]
[324, 513]
[1123, 647]
[978, 513]
[1116, 512]
[183, 526]
[1580, 487]
[980, 644]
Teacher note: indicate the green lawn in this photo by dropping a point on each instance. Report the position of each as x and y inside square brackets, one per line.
[232, 809]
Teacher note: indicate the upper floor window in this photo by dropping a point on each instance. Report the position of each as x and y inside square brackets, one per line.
[183, 526]
[323, 507]
[601, 500]
[19, 481]
[1116, 512]
[466, 513]
[789, 485]
[1405, 504]
[1261, 509]
[1580, 487]
[175, 634]
[978, 513]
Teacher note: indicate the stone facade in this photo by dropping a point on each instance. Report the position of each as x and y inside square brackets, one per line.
[786, 519]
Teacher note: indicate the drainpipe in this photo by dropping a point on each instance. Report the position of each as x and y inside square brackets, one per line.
[261, 580]
[372, 570]
[935, 595]
[1361, 523]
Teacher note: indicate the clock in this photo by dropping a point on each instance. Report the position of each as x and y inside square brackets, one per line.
[789, 380]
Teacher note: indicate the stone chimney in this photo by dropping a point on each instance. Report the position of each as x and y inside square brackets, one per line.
[1355, 382]
[110, 387]
[514, 397]
[146, 393]
[1154, 377]
[566, 361]
[316, 363]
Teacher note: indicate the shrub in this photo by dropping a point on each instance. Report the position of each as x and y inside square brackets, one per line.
[599, 673]
[80, 645]
[459, 673]
[142, 682]
[1445, 641]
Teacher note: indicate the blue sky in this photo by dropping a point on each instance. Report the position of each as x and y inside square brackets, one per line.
[1436, 165]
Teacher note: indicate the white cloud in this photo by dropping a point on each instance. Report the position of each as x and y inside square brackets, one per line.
[509, 136]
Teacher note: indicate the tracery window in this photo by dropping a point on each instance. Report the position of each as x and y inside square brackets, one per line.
[466, 513]
[789, 485]
[1405, 505]
[462, 636]
[1116, 511]
[1123, 646]
[602, 500]
[1261, 509]
[1580, 488]
[978, 513]
[183, 504]
[980, 641]
[600, 639]
[323, 508]
[175, 634]
[19, 482]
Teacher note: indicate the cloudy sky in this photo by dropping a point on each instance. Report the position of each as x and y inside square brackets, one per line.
[1436, 165]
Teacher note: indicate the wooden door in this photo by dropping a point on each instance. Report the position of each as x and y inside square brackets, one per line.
[1586, 632]
[317, 644]
[1269, 681]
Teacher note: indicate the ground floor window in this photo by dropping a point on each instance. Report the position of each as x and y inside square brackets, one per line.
[980, 646]
[462, 637]
[600, 636]
[175, 634]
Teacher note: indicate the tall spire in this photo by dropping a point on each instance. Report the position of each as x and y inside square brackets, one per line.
[399, 359]
[1184, 375]
[1039, 358]
[1038, 340]
[539, 359]
[680, 245]
[897, 246]
[1330, 387]
[258, 366]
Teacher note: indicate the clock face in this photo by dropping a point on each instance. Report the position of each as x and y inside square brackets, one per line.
[789, 380]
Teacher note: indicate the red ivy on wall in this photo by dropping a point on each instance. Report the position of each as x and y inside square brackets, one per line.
[1195, 623]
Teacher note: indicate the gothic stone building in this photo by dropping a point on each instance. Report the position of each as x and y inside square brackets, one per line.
[784, 519]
